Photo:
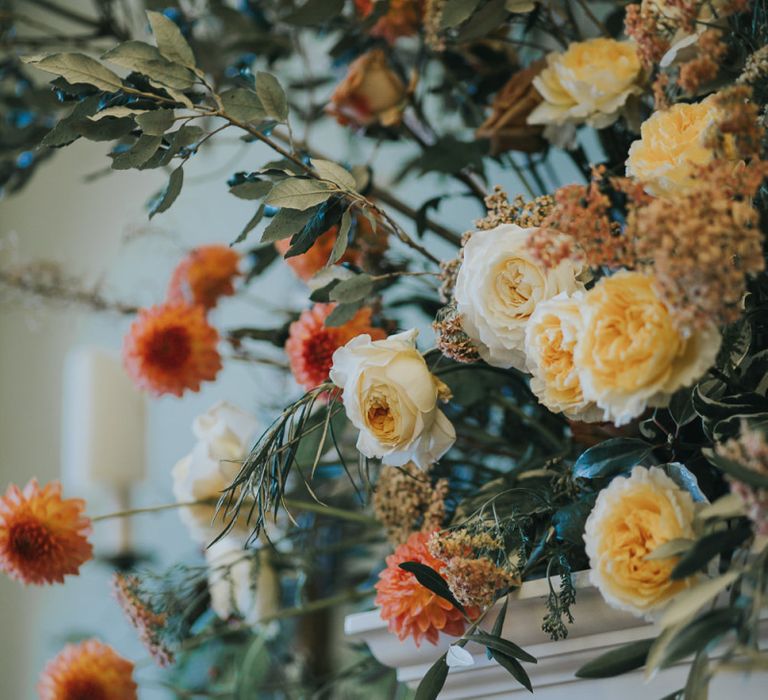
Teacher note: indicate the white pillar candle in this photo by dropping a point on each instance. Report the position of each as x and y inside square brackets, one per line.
[103, 420]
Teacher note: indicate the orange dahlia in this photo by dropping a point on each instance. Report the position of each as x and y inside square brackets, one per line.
[171, 348]
[311, 343]
[403, 18]
[42, 536]
[410, 608]
[87, 671]
[315, 259]
[204, 275]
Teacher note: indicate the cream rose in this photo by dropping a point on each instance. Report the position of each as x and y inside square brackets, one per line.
[242, 583]
[371, 92]
[632, 517]
[550, 339]
[589, 83]
[672, 143]
[225, 435]
[391, 397]
[499, 286]
[631, 352]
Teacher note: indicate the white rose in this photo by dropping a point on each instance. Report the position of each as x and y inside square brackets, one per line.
[242, 583]
[391, 397]
[225, 435]
[550, 339]
[499, 286]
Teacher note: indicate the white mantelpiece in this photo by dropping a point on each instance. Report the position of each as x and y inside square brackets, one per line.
[597, 628]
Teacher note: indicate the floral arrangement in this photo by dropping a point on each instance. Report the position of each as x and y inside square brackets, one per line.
[595, 396]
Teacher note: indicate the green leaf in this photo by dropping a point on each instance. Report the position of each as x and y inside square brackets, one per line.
[170, 41]
[253, 670]
[502, 645]
[681, 407]
[243, 105]
[116, 112]
[611, 457]
[146, 59]
[498, 625]
[138, 154]
[617, 661]
[299, 193]
[314, 12]
[672, 548]
[251, 190]
[156, 122]
[170, 193]
[570, 519]
[333, 172]
[252, 224]
[697, 635]
[352, 289]
[514, 667]
[286, 223]
[728, 506]
[431, 580]
[433, 681]
[736, 470]
[708, 547]
[696, 687]
[688, 602]
[456, 11]
[272, 96]
[78, 68]
[484, 21]
[342, 238]
[342, 314]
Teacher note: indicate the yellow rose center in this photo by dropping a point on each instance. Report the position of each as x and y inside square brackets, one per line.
[380, 415]
[515, 284]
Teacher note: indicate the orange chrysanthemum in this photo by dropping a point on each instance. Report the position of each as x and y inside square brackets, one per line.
[410, 608]
[171, 348]
[43, 537]
[311, 343]
[315, 259]
[402, 19]
[89, 670]
[204, 275]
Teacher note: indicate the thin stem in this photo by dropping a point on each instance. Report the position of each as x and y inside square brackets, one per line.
[149, 509]
[588, 12]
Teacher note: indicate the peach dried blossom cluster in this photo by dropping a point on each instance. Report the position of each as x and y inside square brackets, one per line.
[525, 214]
[705, 66]
[472, 569]
[148, 623]
[738, 133]
[406, 501]
[750, 449]
[451, 339]
[755, 67]
[644, 23]
[703, 244]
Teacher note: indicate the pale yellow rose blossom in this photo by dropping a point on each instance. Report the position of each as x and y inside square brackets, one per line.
[632, 517]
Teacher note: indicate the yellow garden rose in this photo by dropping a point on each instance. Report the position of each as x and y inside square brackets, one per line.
[550, 339]
[672, 142]
[371, 92]
[632, 517]
[589, 83]
[392, 398]
[631, 353]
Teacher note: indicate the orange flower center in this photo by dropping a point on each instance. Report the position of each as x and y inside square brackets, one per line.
[84, 689]
[318, 351]
[30, 540]
[169, 348]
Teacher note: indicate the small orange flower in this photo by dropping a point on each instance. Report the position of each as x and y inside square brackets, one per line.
[42, 535]
[306, 265]
[171, 348]
[410, 608]
[311, 343]
[403, 18]
[89, 670]
[204, 275]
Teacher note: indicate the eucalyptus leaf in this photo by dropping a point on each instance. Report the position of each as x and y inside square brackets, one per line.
[484, 21]
[79, 68]
[299, 193]
[286, 223]
[433, 681]
[168, 196]
[328, 170]
[243, 105]
[170, 41]
[617, 661]
[342, 314]
[690, 601]
[146, 59]
[272, 96]
[155, 122]
[342, 238]
[138, 154]
[251, 189]
[456, 11]
[353, 289]
[252, 224]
